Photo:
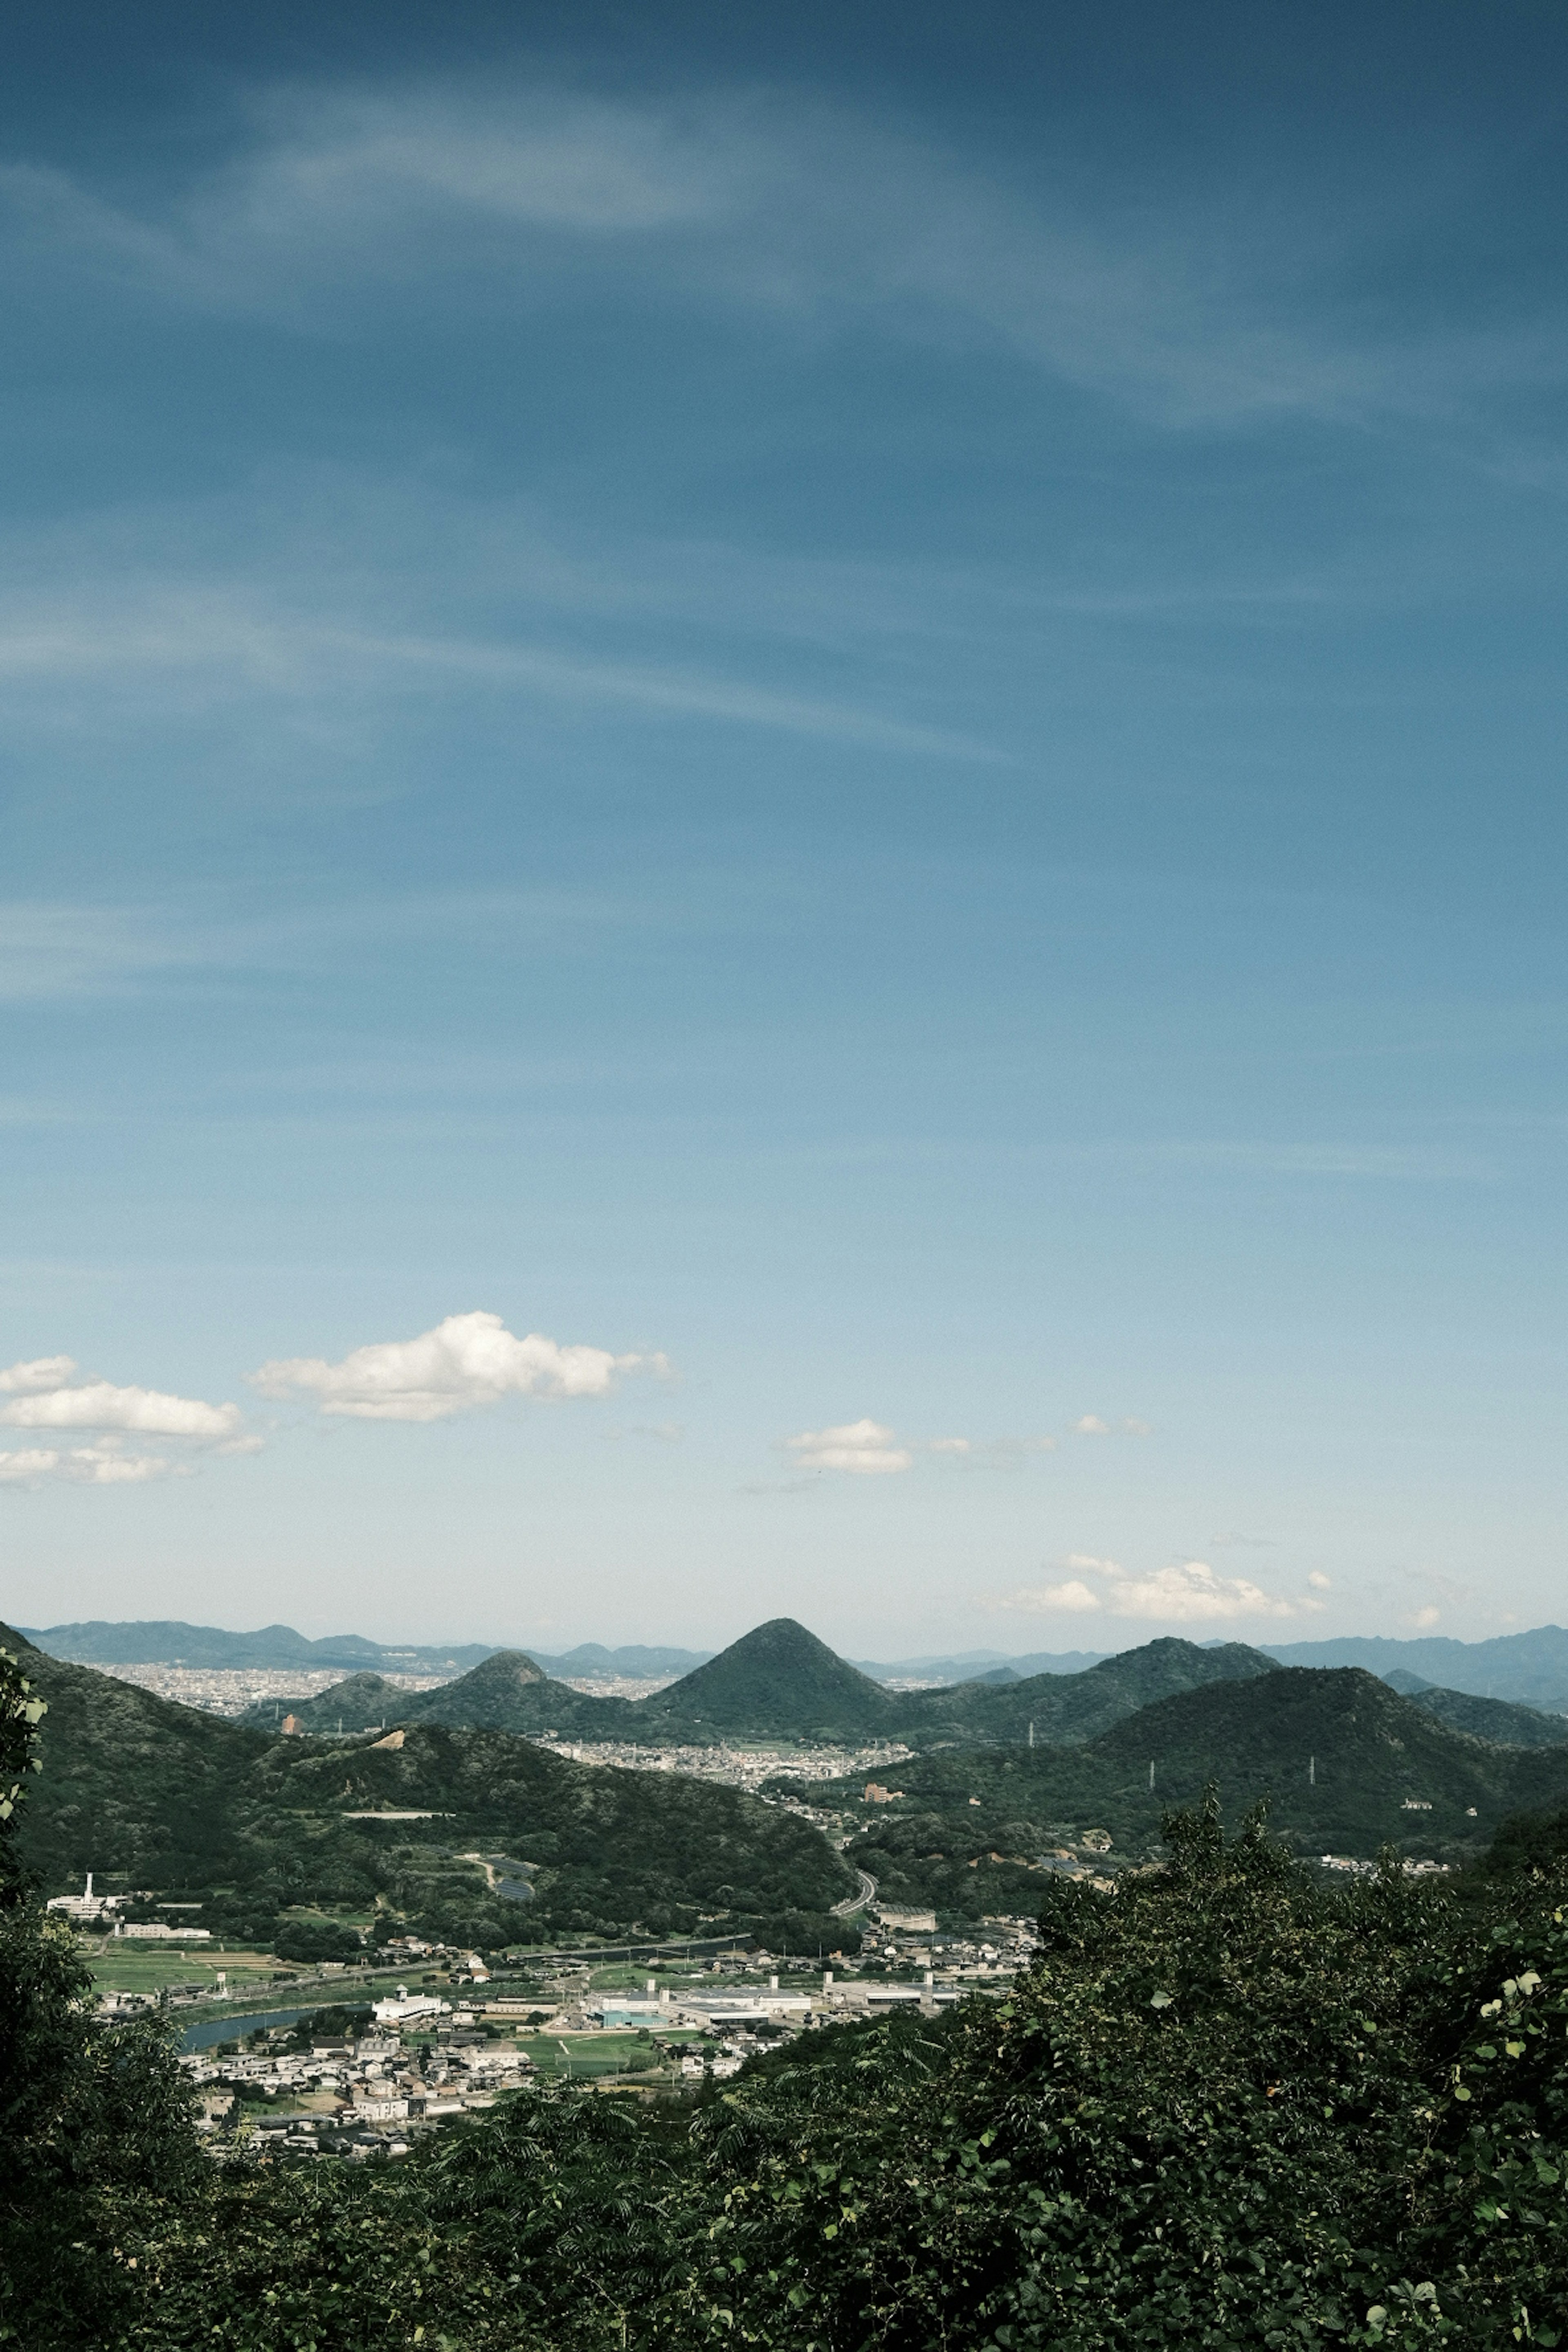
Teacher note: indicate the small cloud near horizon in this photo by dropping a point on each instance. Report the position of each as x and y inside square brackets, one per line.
[85, 1465]
[1188, 1592]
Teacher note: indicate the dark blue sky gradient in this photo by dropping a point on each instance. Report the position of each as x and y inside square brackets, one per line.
[872, 696]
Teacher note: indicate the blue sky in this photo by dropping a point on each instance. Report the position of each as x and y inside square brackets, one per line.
[860, 711]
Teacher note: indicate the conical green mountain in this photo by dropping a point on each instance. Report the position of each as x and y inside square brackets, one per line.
[509, 1692]
[353, 1705]
[779, 1682]
[776, 1682]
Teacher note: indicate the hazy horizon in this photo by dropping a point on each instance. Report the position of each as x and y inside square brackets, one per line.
[784, 823]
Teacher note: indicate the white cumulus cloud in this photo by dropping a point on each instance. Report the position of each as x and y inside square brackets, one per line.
[1190, 1593]
[41, 1397]
[1318, 1581]
[1090, 1425]
[863, 1448]
[466, 1361]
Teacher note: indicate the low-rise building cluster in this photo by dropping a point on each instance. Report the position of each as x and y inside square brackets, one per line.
[737, 1768]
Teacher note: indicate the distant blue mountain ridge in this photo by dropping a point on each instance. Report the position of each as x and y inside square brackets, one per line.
[1530, 1668]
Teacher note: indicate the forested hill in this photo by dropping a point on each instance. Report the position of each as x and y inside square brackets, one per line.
[1500, 1719]
[1347, 1766]
[150, 1794]
[1339, 1754]
[776, 1682]
[509, 1692]
[1068, 1708]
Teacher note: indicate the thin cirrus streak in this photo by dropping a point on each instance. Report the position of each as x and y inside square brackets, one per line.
[869, 1449]
[290, 658]
[761, 206]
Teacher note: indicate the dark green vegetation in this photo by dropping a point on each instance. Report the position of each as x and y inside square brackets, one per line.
[1228, 2108]
[1347, 1765]
[1497, 1719]
[779, 1682]
[507, 1692]
[776, 1682]
[1068, 1708]
[261, 1829]
[150, 1794]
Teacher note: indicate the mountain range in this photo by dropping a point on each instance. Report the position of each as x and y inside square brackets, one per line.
[778, 1682]
[1528, 1668]
[100, 1641]
[449, 1822]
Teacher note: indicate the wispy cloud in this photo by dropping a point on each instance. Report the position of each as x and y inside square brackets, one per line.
[871, 1449]
[466, 1361]
[224, 639]
[85, 1465]
[504, 196]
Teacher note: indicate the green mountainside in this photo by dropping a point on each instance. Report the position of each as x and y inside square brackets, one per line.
[362, 1703]
[153, 1796]
[1065, 1709]
[507, 1692]
[1500, 1720]
[1337, 1754]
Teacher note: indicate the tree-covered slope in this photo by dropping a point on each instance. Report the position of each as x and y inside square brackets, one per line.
[609, 1848]
[511, 1693]
[360, 1703]
[1347, 1766]
[1065, 1709]
[1500, 1721]
[135, 1784]
[507, 1692]
[152, 1795]
[1341, 1758]
[1229, 2108]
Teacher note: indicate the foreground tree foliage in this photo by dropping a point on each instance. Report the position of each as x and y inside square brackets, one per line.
[1226, 2108]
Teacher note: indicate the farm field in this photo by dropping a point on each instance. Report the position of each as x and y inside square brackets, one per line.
[131, 1968]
